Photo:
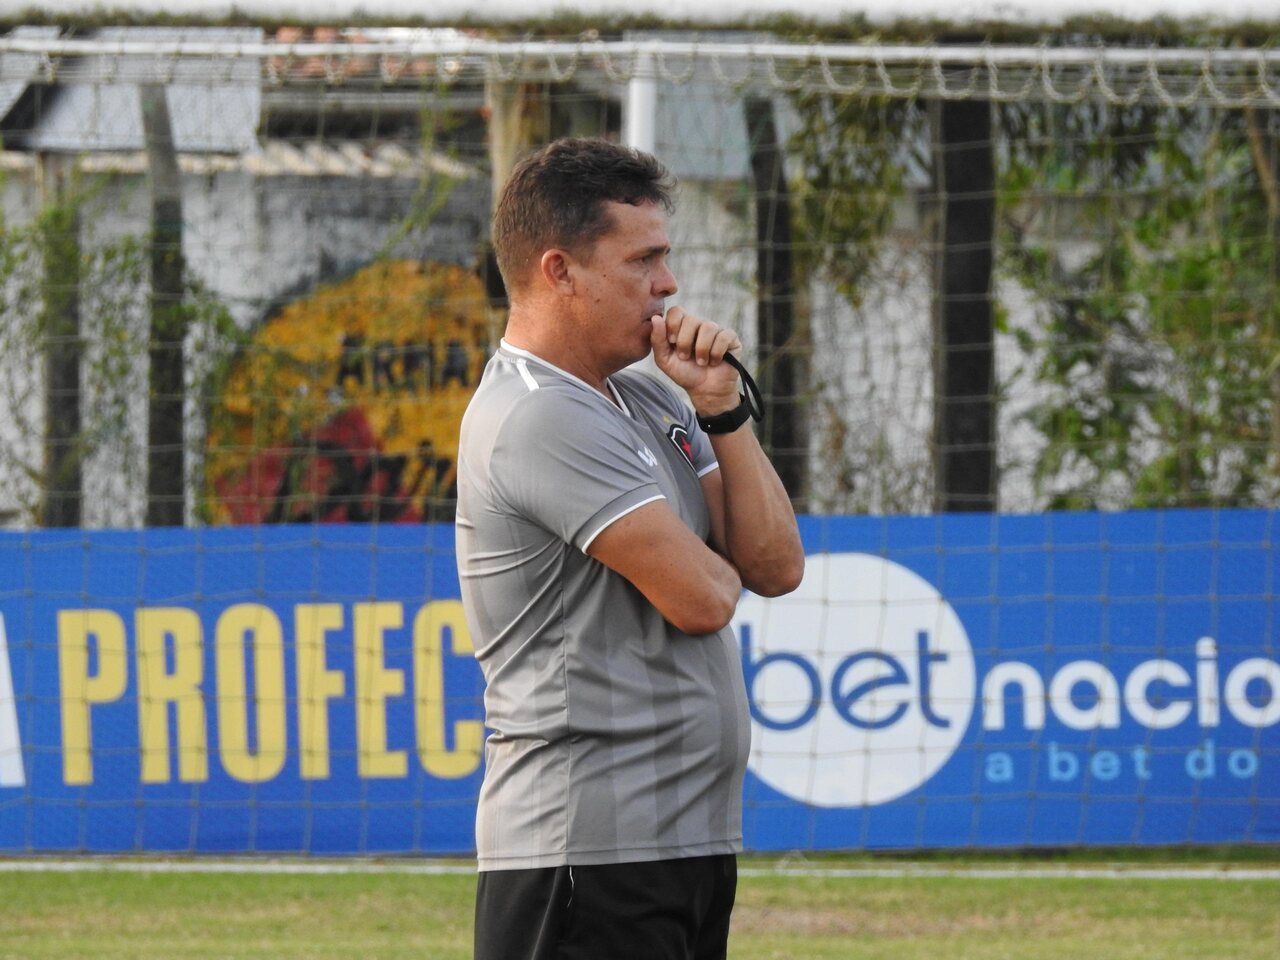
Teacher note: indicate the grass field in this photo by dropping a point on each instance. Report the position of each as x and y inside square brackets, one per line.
[116, 914]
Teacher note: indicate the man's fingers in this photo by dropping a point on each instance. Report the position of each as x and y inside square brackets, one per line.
[686, 337]
[692, 338]
[658, 338]
[712, 343]
[726, 340]
[704, 347]
[674, 320]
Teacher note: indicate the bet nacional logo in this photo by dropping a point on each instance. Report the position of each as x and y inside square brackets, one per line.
[861, 682]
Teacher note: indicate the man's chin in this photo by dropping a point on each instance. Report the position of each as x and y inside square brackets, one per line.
[640, 354]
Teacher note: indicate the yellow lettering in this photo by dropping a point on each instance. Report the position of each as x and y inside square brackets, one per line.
[158, 688]
[317, 684]
[78, 689]
[428, 666]
[374, 684]
[268, 692]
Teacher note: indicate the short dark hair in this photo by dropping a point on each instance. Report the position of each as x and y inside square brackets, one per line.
[556, 198]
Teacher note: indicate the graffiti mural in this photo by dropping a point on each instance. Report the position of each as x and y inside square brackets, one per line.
[345, 406]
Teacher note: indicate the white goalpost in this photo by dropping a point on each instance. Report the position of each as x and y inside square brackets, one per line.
[1042, 13]
[1168, 76]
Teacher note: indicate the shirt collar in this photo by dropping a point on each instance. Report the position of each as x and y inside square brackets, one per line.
[529, 355]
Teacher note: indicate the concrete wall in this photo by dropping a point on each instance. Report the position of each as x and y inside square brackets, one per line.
[257, 242]
[254, 242]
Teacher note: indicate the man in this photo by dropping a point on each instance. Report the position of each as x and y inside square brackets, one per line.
[604, 539]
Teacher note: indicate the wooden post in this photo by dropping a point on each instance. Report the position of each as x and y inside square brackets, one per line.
[166, 445]
[783, 356]
[519, 121]
[964, 447]
[63, 445]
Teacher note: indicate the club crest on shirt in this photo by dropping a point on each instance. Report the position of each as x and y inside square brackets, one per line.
[679, 436]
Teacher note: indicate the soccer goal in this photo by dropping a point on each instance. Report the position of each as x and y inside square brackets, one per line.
[1011, 290]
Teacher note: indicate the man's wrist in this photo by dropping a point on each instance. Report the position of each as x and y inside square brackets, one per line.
[726, 421]
[714, 406]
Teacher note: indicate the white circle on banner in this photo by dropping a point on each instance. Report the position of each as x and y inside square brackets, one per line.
[861, 682]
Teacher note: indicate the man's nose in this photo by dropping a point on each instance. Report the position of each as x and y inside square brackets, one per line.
[664, 284]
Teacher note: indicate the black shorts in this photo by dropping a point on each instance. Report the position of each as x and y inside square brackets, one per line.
[660, 910]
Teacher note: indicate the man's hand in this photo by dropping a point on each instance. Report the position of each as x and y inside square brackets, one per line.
[691, 352]
[752, 523]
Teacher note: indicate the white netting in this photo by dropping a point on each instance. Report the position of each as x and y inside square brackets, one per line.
[1165, 76]
[1118, 207]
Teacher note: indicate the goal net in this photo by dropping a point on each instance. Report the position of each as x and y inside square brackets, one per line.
[1015, 310]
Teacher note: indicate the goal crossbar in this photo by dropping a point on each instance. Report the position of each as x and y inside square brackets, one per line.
[1171, 76]
[432, 44]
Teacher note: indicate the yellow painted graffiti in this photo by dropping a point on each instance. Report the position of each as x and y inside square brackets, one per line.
[346, 405]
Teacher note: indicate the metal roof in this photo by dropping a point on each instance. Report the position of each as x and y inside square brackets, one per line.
[220, 114]
[280, 158]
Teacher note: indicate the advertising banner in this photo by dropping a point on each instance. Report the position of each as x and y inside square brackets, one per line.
[976, 681]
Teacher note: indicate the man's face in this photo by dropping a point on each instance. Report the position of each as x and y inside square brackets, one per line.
[623, 280]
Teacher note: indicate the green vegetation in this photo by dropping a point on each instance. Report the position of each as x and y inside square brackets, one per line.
[73, 295]
[115, 914]
[1158, 342]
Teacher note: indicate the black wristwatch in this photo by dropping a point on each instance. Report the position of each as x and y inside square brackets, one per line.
[751, 404]
[728, 421]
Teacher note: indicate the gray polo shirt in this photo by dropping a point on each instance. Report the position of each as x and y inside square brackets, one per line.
[615, 737]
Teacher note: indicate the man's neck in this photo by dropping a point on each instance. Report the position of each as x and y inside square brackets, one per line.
[530, 331]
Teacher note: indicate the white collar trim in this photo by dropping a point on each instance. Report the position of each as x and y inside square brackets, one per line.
[529, 355]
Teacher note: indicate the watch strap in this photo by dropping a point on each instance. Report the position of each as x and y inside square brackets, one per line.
[728, 421]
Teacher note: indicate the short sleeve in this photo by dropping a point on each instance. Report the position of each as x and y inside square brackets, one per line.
[566, 463]
[675, 404]
[704, 458]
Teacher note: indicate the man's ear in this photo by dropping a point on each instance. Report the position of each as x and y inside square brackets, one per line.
[557, 273]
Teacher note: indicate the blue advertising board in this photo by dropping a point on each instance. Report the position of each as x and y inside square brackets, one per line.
[977, 681]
